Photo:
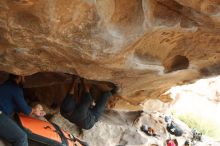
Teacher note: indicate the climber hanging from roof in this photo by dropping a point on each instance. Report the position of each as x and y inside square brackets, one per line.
[77, 105]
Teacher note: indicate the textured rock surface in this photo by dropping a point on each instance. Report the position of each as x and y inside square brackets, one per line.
[123, 128]
[144, 46]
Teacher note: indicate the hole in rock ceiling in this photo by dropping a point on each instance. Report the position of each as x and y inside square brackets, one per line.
[178, 62]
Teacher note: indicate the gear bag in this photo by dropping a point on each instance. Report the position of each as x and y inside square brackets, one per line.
[174, 129]
[46, 133]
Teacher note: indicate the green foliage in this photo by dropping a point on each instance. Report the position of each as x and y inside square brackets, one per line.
[202, 124]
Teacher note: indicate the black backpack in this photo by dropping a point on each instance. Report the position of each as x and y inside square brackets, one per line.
[174, 129]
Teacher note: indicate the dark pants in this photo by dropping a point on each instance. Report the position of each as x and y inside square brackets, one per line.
[10, 131]
[84, 116]
[99, 108]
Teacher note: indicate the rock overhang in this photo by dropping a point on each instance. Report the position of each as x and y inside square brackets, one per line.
[144, 46]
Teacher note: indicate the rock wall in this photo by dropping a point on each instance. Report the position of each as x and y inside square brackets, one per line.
[124, 128]
[144, 46]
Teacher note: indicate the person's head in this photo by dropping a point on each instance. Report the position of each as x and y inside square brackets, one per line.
[19, 80]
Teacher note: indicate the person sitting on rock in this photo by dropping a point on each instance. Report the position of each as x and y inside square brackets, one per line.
[78, 108]
[12, 101]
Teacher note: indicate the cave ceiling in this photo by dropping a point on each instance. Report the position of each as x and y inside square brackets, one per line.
[143, 46]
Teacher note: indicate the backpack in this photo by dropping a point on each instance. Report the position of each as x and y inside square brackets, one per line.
[196, 135]
[174, 129]
[46, 133]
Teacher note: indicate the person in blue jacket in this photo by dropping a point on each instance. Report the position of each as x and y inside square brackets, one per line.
[12, 101]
